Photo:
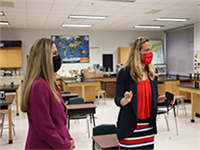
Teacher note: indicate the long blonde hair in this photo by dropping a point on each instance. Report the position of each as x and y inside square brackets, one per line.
[133, 61]
[39, 64]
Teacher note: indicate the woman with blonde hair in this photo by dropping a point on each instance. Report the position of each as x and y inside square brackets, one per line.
[42, 100]
[137, 97]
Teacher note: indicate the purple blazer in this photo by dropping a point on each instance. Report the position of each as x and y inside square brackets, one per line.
[47, 119]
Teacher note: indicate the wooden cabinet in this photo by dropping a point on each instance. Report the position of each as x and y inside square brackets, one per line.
[109, 85]
[10, 57]
[172, 87]
[123, 53]
[161, 88]
[86, 90]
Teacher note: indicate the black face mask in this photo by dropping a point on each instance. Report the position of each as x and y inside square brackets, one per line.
[56, 63]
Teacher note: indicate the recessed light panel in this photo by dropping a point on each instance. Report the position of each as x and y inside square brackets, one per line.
[149, 26]
[86, 17]
[172, 19]
[1, 13]
[4, 23]
[76, 25]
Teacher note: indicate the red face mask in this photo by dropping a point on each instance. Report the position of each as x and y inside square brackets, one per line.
[147, 58]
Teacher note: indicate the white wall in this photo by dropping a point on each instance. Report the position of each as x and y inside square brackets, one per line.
[107, 41]
[197, 36]
[180, 51]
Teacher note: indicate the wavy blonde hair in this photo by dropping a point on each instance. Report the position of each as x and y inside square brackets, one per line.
[133, 61]
[39, 64]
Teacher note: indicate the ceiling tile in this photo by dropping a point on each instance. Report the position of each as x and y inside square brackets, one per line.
[179, 7]
[67, 2]
[116, 4]
[92, 3]
[3, 18]
[15, 10]
[38, 11]
[191, 2]
[40, 1]
[160, 6]
[38, 6]
[19, 5]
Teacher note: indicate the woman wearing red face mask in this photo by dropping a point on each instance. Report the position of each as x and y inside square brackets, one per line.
[137, 96]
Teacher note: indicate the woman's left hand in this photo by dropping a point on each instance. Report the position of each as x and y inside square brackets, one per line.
[173, 101]
[72, 142]
[161, 99]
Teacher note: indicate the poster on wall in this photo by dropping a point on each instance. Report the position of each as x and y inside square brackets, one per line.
[72, 49]
[158, 53]
[197, 62]
[161, 68]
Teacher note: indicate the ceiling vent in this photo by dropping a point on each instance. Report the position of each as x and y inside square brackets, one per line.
[153, 11]
[6, 4]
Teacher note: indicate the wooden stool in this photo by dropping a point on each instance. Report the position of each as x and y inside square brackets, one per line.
[2, 126]
[101, 93]
[178, 99]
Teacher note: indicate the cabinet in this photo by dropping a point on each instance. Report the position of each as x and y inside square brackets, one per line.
[107, 84]
[172, 87]
[10, 57]
[123, 53]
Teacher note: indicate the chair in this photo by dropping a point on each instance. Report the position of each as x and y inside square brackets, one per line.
[102, 130]
[168, 107]
[160, 112]
[65, 92]
[180, 98]
[101, 93]
[65, 98]
[2, 126]
[78, 100]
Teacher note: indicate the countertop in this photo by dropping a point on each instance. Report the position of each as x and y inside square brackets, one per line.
[192, 86]
[173, 78]
[78, 81]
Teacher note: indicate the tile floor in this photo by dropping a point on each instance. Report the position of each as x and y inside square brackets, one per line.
[188, 138]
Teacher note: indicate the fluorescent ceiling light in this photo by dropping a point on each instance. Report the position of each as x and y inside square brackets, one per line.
[171, 19]
[4, 23]
[1, 13]
[76, 25]
[86, 17]
[149, 26]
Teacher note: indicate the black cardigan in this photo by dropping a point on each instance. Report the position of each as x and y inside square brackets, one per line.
[127, 118]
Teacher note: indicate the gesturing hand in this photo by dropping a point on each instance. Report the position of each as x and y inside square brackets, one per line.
[127, 98]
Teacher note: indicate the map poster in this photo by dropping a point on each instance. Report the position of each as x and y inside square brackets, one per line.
[72, 49]
[157, 49]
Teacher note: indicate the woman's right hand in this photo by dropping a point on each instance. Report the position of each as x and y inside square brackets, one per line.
[127, 98]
